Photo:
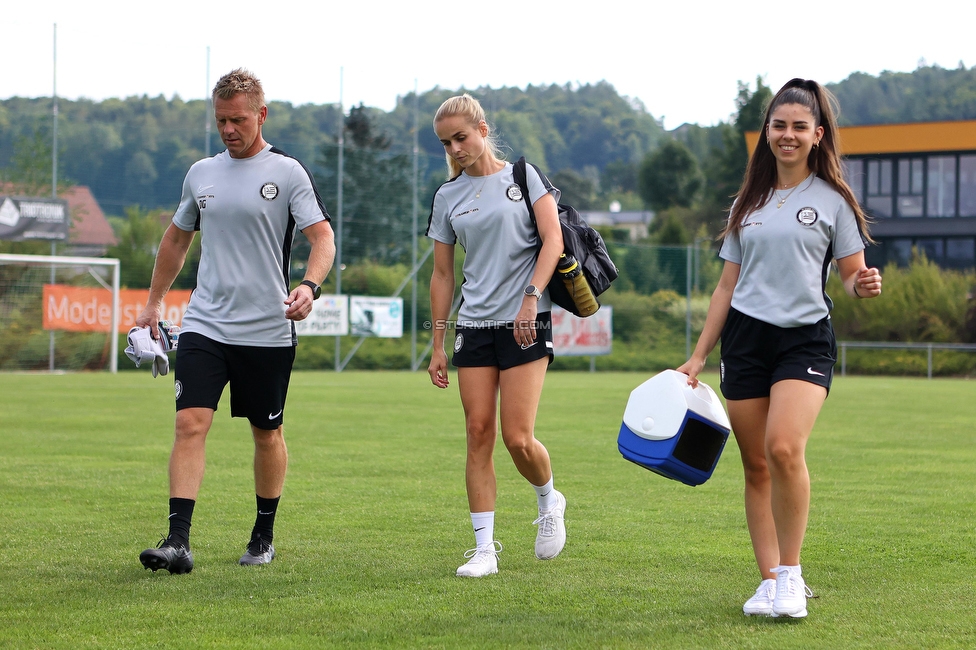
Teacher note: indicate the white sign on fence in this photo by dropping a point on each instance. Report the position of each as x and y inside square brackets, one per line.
[371, 316]
[578, 337]
[329, 317]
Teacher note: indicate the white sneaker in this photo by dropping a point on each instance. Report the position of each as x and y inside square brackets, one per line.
[551, 538]
[791, 593]
[483, 561]
[761, 604]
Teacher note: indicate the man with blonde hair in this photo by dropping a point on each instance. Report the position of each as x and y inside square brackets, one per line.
[239, 327]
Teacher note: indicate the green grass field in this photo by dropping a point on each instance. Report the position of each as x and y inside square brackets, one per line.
[374, 522]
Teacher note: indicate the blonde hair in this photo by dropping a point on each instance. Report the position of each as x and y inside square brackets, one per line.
[241, 81]
[470, 109]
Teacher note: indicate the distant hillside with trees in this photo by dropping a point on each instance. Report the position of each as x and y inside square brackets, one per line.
[929, 94]
[592, 141]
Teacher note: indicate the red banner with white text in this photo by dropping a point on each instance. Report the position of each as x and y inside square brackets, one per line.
[79, 309]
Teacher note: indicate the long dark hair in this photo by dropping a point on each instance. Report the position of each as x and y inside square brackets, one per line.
[824, 160]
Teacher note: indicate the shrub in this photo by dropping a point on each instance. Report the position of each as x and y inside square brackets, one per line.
[921, 303]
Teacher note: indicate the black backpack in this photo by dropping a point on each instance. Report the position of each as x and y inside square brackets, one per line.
[579, 240]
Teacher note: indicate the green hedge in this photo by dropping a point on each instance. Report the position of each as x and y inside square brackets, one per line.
[921, 303]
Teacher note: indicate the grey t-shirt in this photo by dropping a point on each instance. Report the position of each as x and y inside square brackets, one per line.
[247, 210]
[785, 254]
[499, 241]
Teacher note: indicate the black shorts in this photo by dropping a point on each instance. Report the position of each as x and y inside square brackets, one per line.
[258, 378]
[496, 346]
[756, 355]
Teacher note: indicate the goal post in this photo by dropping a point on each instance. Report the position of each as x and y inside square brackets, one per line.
[55, 333]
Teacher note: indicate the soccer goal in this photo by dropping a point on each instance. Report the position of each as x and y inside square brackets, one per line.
[58, 313]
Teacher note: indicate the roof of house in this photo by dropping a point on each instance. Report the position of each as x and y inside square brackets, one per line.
[88, 224]
[607, 218]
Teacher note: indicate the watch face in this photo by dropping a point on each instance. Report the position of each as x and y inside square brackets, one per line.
[531, 290]
[316, 289]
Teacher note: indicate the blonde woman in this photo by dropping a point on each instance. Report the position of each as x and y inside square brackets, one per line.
[503, 336]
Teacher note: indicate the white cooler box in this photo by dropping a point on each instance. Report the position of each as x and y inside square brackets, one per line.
[674, 429]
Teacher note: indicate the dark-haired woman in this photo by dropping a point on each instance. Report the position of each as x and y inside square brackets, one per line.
[503, 339]
[793, 215]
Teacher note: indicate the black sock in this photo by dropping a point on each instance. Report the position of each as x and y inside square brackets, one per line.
[180, 513]
[264, 522]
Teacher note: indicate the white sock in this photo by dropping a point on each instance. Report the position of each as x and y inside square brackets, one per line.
[484, 527]
[547, 498]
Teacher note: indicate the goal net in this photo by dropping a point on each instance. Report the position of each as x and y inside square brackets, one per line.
[58, 313]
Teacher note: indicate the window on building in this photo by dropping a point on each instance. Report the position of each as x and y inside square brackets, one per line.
[967, 186]
[900, 251]
[942, 186]
[934, 249]
[911, 178]
[854, 175]
[960, 252]
[877, 255]
[879, 201]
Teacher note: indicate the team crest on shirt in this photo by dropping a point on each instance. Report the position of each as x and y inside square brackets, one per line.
[269, 191]
[514, 193]
[807, 216]
[458, 342]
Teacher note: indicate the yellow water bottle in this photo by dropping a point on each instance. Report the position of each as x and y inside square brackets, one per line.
[576, 285]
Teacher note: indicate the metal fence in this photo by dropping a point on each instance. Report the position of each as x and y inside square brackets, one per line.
[881, 345]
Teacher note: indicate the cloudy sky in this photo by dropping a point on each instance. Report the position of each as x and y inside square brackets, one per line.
[682, 60]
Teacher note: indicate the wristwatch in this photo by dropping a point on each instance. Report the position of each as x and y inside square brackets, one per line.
[316, 289]
[532, 290]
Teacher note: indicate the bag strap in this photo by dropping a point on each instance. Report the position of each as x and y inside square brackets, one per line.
[518, 172]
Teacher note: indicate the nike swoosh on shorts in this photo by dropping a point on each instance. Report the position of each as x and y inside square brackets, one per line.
[811, 371]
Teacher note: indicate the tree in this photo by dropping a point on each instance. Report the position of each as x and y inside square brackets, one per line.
[138, 239]
[619, 176]
[727, 165]
[670, 229]
[576, 190]
[376, 188]
[670, 177]
[640, 266]
[751, 106]
[30, 171]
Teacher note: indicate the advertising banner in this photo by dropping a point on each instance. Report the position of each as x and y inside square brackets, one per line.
[329, 317]
[82, 309]
[371, 316]
[577, 337]
[26, 218]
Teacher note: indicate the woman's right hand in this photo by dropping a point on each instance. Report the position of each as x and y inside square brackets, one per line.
[438, 369]
[692, 367]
